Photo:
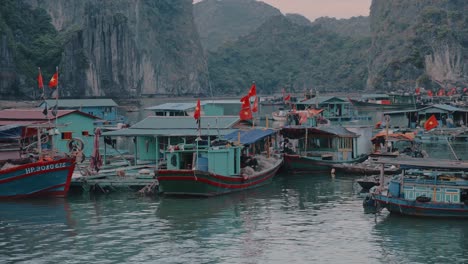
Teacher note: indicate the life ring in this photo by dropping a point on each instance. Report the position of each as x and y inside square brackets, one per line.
[75, 144]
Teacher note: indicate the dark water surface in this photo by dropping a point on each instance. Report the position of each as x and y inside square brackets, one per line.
[296, 219]
[312, 218]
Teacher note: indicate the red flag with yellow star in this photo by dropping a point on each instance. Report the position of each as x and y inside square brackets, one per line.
[54, 81]
[431, 123]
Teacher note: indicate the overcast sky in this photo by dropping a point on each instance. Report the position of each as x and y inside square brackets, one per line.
[313, 9]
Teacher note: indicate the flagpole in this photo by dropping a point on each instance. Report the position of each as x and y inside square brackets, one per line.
[56, 108]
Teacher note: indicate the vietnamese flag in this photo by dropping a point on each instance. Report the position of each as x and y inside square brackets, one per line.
[245, 114]
[418, 91]
[431, 123]
[245, 102]
[441, 92]
[54, 81]
[197, 113]
[429, 93]
[253, 90]
[40, 83]
[255, 105]
[287, 98]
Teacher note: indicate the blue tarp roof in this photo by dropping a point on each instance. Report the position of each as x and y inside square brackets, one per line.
[249, 136]
[11, 131]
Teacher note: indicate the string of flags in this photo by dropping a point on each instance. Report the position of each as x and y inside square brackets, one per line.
[53, 84]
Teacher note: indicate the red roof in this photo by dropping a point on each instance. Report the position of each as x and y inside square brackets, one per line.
[35, 114]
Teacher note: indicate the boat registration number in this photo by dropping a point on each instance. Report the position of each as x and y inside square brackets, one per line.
[46, 167]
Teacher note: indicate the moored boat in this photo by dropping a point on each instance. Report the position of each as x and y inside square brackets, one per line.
[371, 102]
[435, 190]
[364, 168]
[214, 168]
[318, 149]
[36, 178]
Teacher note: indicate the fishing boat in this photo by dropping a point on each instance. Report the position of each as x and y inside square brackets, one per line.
[39, 171]
[369, 102]
[312, 149]
[366, 167]
[425, 189]
[239, 161]
[368, 182]
[25, 178]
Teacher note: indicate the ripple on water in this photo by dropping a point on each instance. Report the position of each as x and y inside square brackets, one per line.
[295, 219]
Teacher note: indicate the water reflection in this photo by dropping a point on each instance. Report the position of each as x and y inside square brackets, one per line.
[422, 240]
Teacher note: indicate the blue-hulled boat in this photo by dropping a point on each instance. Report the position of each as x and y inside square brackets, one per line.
[40, 178]
[425, 191]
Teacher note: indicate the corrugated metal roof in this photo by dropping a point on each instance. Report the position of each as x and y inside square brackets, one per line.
[436, 108]
[449, 108]
[77, 103]
[322, 99]
[167, 132]
[173, 107]
[249, 136]
[186, 122]
[35, 114]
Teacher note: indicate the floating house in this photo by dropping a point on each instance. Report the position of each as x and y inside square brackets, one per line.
[104, 109]
[173, 109]
[155, 134]
[448, 116]
[209, 108]
[72, 123]
[336, 109]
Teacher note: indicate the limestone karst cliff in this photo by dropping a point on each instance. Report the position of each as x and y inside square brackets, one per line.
[126, 48]
[418, 43]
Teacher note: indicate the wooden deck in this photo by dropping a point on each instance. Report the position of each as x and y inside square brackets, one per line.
[424, 163]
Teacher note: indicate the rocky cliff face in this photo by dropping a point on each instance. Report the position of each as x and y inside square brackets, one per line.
[418, 43]
[125, 48]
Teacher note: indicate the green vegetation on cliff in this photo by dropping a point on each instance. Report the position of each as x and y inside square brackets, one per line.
[33, 42]
[222, 21]
[282, 54]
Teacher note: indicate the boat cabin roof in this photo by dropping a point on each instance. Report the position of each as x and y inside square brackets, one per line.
[250, 136]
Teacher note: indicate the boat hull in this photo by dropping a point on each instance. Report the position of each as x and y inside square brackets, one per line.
[375, 106]
[427, 209]
[38, 179]
[302, 164]
[203, 183]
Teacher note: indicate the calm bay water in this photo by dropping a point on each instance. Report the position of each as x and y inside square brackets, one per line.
[297, 218]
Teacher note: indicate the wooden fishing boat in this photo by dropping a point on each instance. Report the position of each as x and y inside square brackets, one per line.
[38, 171]
[36, 178]
[242, 160]
[371, 102]
[368, 182]
[435, 190]
[311, 149]
[364, 168]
